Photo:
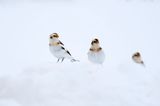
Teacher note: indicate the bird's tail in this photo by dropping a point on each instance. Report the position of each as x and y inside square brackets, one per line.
[142, 63]
[74, 60]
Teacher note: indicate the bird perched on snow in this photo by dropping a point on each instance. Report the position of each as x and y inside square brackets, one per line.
[137, 58]
[57, 48]
[96, 54]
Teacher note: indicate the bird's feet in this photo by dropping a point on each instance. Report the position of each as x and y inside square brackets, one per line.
[62, 59]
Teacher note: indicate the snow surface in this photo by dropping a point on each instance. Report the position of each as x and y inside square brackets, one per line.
[30, 76]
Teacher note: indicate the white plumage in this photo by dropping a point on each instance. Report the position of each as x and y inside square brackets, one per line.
[95, 53]
[98, 57]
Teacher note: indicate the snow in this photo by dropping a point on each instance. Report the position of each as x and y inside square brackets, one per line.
[30, 76]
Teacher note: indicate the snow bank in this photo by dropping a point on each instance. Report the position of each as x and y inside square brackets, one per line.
[79, 84]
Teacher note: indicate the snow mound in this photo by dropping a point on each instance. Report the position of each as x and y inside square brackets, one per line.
[77, 84]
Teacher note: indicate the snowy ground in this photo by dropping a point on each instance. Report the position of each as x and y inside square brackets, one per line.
[30, 76]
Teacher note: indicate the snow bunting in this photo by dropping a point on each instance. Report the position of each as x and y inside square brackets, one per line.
[96, 54]
[137, 58]
[57, 48]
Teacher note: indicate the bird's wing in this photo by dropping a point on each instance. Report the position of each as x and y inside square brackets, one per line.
[61, 43]
[66, 51]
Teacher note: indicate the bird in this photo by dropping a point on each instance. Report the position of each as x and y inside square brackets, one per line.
[58, 50]
[137, 58]
[96, 54]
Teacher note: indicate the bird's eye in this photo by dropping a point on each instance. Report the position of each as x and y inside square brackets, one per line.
[51, 37]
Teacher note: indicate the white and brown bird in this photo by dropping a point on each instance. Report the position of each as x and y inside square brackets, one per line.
[137, 58]
[96, 53]
[58, 50]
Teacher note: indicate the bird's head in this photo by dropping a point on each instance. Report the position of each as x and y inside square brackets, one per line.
[95, 41]
[54, 35]
[137, 54]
